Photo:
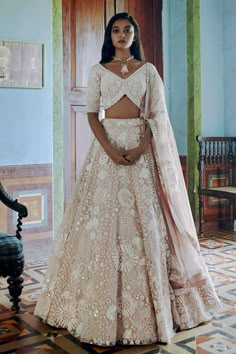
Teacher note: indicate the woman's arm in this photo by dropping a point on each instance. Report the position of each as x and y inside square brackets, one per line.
[134, 154]
[100, 135]
[93, 104]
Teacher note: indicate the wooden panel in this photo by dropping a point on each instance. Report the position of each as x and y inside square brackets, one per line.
[142, 12]
[110, 10]
[83, 138]
[215, 208]
[88, 19]
[157, 36]
[83, 32]
[122, 6]
[149, 17]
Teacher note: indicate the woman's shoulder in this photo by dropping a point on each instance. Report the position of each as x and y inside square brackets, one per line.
[153, 72]
[149, 64]
[95, 72]
[95, 67]
[151, 67]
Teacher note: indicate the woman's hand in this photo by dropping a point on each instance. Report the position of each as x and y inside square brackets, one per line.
[118, 157]
[130, 156]
[133, 154]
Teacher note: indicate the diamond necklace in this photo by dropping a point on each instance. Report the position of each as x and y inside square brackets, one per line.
[124, 64]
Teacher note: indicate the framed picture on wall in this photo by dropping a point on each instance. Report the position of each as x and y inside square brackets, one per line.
[21, 64]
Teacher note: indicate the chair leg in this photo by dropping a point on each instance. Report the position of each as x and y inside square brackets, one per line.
[15, 288]
[201, 215]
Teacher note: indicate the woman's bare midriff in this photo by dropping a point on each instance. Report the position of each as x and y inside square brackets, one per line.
[124, 108]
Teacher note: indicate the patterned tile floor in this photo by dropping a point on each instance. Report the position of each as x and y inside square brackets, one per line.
[23, 333]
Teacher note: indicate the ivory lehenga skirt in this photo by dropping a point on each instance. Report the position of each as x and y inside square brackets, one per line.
[111, 273]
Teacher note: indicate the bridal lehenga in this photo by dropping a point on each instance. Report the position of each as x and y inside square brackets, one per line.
[126, 265]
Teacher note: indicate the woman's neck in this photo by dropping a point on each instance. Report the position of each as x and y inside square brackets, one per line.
[122, 54]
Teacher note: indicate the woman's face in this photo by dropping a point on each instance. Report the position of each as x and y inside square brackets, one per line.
[122, 34]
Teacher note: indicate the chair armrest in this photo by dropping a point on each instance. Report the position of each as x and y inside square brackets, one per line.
[12, 204]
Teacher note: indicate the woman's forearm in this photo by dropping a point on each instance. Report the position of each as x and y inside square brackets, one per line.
[98, 131]
[100, 135]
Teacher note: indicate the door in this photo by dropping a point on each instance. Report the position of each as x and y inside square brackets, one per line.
[83, 30]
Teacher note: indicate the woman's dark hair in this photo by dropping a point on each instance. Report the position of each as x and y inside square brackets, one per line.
[108, 50]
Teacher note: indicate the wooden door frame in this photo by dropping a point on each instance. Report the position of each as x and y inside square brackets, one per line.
[59, 122]
[58, 180]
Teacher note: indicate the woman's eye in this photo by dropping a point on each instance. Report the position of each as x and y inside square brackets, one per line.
[127, 30]
[115, 30]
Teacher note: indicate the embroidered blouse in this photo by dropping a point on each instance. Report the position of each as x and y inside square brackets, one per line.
[108, 86]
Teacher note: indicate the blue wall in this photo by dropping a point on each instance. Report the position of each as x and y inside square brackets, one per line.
[218, 56]
[212, 68]
[175, 68]
[218, 67]
[229, 49]
[26, 114]
[166, 49]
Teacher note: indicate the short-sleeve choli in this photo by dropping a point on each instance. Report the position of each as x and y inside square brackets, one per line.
[107, 86]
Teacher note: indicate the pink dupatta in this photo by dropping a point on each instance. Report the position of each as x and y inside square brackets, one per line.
[171, 185]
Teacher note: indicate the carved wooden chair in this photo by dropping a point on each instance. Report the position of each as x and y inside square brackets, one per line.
[218, 154]
[11, 251]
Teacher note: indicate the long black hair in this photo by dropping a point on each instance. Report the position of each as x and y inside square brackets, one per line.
[108, 50]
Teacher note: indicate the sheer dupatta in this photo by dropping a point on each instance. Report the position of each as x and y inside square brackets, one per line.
[171, 186]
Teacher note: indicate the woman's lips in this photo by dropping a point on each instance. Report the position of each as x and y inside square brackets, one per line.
[121, 41]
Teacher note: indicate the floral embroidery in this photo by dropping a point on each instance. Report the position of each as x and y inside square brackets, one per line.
[112, 277]
[126, 305]
[112, 88]
[92, 224]
[126, 199]
[125, 257]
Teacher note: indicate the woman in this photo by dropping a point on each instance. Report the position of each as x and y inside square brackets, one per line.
[126, 266]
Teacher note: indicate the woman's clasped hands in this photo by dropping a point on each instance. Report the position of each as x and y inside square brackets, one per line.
[125, 158]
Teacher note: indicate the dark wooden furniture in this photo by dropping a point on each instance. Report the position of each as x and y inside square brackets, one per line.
[11, 251]
[218, 153]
